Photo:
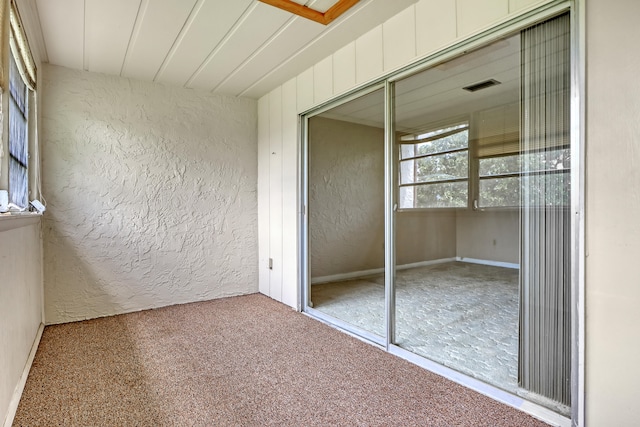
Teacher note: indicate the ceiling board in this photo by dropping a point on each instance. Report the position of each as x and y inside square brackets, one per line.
[209, 25]
[108, 30]
[257, 27]
[62, 23]
[156, 29]
[237, 47]
[357, 21]
[296, 34]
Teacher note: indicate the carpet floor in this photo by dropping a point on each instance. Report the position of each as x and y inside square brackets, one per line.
[242, 361]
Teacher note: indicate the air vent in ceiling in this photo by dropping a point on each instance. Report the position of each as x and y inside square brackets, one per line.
[482, 85]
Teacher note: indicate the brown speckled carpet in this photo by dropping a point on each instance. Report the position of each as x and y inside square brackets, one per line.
[242, 361]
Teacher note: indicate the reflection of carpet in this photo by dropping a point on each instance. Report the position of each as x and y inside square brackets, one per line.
[464, 316]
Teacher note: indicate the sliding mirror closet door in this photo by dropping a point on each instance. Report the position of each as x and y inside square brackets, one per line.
[482, 231]
[346, 214]
[470, 161]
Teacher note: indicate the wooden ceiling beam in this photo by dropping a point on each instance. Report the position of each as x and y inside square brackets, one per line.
[338, 9]
[325, 18]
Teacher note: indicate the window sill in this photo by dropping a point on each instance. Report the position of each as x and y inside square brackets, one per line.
[9, 221]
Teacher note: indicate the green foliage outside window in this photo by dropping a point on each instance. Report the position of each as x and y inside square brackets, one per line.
[435, 174]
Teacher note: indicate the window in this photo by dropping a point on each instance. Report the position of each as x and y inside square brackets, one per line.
[435, 165]
[501, 178]
[434, 168]
[505, 167]
[18, 137]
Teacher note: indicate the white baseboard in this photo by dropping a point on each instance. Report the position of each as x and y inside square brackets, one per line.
[17, 393]
[488, 262]
[346, 276]
[424, 263]
[364, 273]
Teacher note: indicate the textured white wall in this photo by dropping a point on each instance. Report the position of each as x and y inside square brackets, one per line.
[151, 195]
[20, 301]
[612, 213]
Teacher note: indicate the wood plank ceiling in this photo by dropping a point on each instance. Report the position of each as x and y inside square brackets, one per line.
[236, 47]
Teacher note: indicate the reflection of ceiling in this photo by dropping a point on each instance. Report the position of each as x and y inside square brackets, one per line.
[236, 47]
[436, 95]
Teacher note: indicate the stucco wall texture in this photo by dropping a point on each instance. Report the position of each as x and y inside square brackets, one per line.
[151, 195]
[346, 204]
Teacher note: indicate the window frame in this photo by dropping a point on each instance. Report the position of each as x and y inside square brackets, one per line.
[443, 130]
[474, 177]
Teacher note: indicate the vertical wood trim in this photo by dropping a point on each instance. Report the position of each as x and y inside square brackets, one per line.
[399, 39]
[263, 195]
[323, 80]
[290, 287]
[304, 86]
[473, 15]
[344, 68]
[432, 34]
[369, 58]
[275, 192]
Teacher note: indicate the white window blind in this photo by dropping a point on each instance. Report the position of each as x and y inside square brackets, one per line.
[18, 138]
[545, 312]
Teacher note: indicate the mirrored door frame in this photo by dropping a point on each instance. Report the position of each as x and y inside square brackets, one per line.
[577, 113]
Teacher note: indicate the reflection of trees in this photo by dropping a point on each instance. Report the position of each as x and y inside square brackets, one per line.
[450, 164]
[442, 164]
[440, 167]
[541, 176]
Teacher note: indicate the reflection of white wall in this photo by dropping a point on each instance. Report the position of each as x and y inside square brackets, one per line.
[425, 236]
[151, 192]
[489, 235]
[346, 197]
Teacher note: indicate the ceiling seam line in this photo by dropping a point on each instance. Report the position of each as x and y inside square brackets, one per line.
[133, 31]
[346, 17]
[221, 43]
[178, 40]
[256, 52]
[259, 49]
[84, 36]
